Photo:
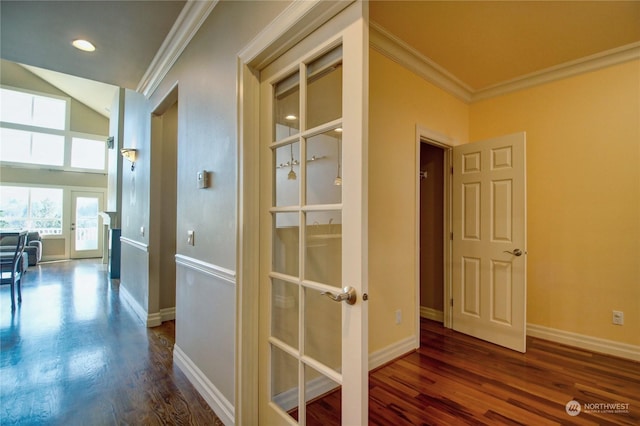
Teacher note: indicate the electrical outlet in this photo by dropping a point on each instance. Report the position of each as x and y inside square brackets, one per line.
[398, 316]
[618, 317]
[191, 238]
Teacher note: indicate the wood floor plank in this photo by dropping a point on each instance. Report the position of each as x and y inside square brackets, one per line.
[73, 354]
[453, 379]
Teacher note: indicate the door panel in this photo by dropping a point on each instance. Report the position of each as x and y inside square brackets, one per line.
[489, 224]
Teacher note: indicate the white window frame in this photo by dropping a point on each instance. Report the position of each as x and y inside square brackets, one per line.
[67, 133]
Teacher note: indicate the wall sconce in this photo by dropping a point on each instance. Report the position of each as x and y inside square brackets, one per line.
[130, 154]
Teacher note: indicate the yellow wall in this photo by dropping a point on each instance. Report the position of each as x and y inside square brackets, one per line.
[583, 179]
[398, 100]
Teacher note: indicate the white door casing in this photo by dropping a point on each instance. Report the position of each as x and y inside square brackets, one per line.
[292, 226]
[489, 240]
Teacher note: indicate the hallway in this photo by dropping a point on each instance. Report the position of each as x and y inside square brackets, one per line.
[73, 354]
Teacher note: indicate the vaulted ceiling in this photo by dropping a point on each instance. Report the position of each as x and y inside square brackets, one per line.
[127, 35]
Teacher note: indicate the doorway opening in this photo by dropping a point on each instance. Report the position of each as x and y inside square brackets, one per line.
[163, 205]
[433, 228]
[432, 213]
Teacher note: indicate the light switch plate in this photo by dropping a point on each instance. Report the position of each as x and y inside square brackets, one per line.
[191, 238]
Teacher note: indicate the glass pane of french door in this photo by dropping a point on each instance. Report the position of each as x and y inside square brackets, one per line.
[86, 232]
[305, 336]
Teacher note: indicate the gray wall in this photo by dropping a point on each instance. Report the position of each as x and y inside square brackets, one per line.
[205, 75]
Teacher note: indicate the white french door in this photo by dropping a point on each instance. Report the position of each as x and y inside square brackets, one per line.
[313, 348]
[489, 240]
[86, 224]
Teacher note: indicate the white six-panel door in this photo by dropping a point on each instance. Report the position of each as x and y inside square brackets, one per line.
[489, 240]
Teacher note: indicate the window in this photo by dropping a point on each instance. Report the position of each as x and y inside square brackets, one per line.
[36, 209]
[35, 130]
[87, 154]
[32, 110]
[22, 146]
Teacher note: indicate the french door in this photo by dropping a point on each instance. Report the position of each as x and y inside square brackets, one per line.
[86, 224]
[313, 310]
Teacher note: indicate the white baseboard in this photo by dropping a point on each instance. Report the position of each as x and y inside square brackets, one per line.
[319, 386]
[167, 314]
[391, 352]
[149, 320]
[595, 344]
[133, 303]
[218, 403]
[288, 399]
[432, 314]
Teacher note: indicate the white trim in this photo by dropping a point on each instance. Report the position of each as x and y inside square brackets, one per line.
[322, 384]
[431, 314]
[392, 352]
[191, 17]
[216, 400]
[210, 269]
[135, 244]
[405, 55]
[398, 51]
[299, 19]
[595, 344]
[149, 320]
[154, 319]
[319, 386]
[167, 314]
[600, 60]
[432, 137]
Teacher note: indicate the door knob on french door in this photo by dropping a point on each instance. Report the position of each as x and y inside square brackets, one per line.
[348, 294]
[516, 252]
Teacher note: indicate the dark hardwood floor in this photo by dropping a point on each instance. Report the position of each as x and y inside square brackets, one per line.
[73, 354]
[456, 379]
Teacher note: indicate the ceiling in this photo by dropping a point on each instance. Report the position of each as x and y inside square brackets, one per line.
[480, 43]
[486, 43]
[127, 34]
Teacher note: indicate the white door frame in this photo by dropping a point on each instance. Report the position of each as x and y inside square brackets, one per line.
[298, 20]
[426, 135]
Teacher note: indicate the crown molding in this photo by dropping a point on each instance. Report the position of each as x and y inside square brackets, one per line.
[403, 54]
[297, 21]
[189, 21]
[584, 65]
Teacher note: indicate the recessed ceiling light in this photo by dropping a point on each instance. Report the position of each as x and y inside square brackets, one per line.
[291, 117]
[83, 45]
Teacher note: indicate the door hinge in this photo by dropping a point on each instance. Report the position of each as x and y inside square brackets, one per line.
[451, 236]
[451, 302]
[451, 169]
